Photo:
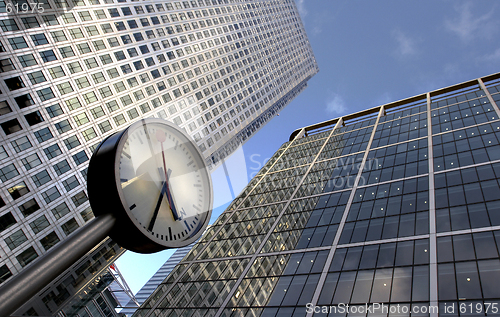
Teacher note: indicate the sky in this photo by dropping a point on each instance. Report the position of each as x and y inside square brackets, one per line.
[369, 53]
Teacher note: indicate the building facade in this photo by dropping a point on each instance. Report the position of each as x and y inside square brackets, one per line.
[74, 72]
[156, 279]
[396, 207]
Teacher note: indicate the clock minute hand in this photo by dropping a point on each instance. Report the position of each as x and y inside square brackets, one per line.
[157, 208]
[170, 198]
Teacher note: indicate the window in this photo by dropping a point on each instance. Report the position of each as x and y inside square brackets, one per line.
[70, 226]
[105, 92]
[97, 112]
[106, 28]
[5, 273]
[126, 11]
[3, 153]
[132, 24]
[43, 135]
[70, 183]
[81, 119]
[8, 25]
[56, 72]
[41, 178]
[76, 33]
[72, 142]
[83, 48]
[18, 42]
[113, 12]
[82, 83]
[50, 19]
[132, 113]
[89, 134]
[74, 103]
[99, 45]
[52, 151]
[51, 194]
[45, 94]
[27, 256]
[120, 55]
[79, 198]
[61, 167]
[6, 221]
[91, 63]
[85, 16]
[112, 106]
[39, 39]
[145, 107]
[65, 88]
[21, 144]
[119, 119]
[39, 224]
[36, 77]
[15, 239]
[33, 118]
[8, 172]
[75, 67]
[106, 59]
[54, 110]
[63, 126]
[66, 51]
[68, 18]
[60, 211]
[126, 39]
[92, 30]
[100, 14]
[11, 126]
[105, 126]
[49, 240]
[48, 56]
[29, 207]
[80, 157]
[31, 161]
[90, 97]
[58, 36]
[14, 83]
[27, 60]
[18, 190]
[6, 65]
[98, 77]
[30, 22]
[113, 73]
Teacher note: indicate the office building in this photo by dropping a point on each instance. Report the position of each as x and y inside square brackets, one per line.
[156, 280]
[397, 205]
[74, 72]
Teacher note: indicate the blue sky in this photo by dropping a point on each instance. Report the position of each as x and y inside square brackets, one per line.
[369, 53]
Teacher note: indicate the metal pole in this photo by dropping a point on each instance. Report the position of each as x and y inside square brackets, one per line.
[20, 288]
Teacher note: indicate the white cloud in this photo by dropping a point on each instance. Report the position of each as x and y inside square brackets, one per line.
[336, 105]
[302, 8]
[406, 45]
[495, 56]
[468, 25]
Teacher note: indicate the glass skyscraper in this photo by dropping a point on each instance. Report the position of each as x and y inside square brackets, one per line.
[73, 72]
[393, 211]
[156, 279]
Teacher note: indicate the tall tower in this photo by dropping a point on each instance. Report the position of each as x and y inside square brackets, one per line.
[394, 209]
[73, 72]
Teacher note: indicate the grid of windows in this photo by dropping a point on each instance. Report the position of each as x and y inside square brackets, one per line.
[355, 213]
[91, 72]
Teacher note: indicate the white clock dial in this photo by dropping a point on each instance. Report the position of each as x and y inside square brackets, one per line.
[164, 184]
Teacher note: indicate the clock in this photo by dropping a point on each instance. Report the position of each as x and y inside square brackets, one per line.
[153, 179]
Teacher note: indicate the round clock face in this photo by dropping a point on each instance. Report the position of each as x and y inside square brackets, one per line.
[163, 183]
[153, 179]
